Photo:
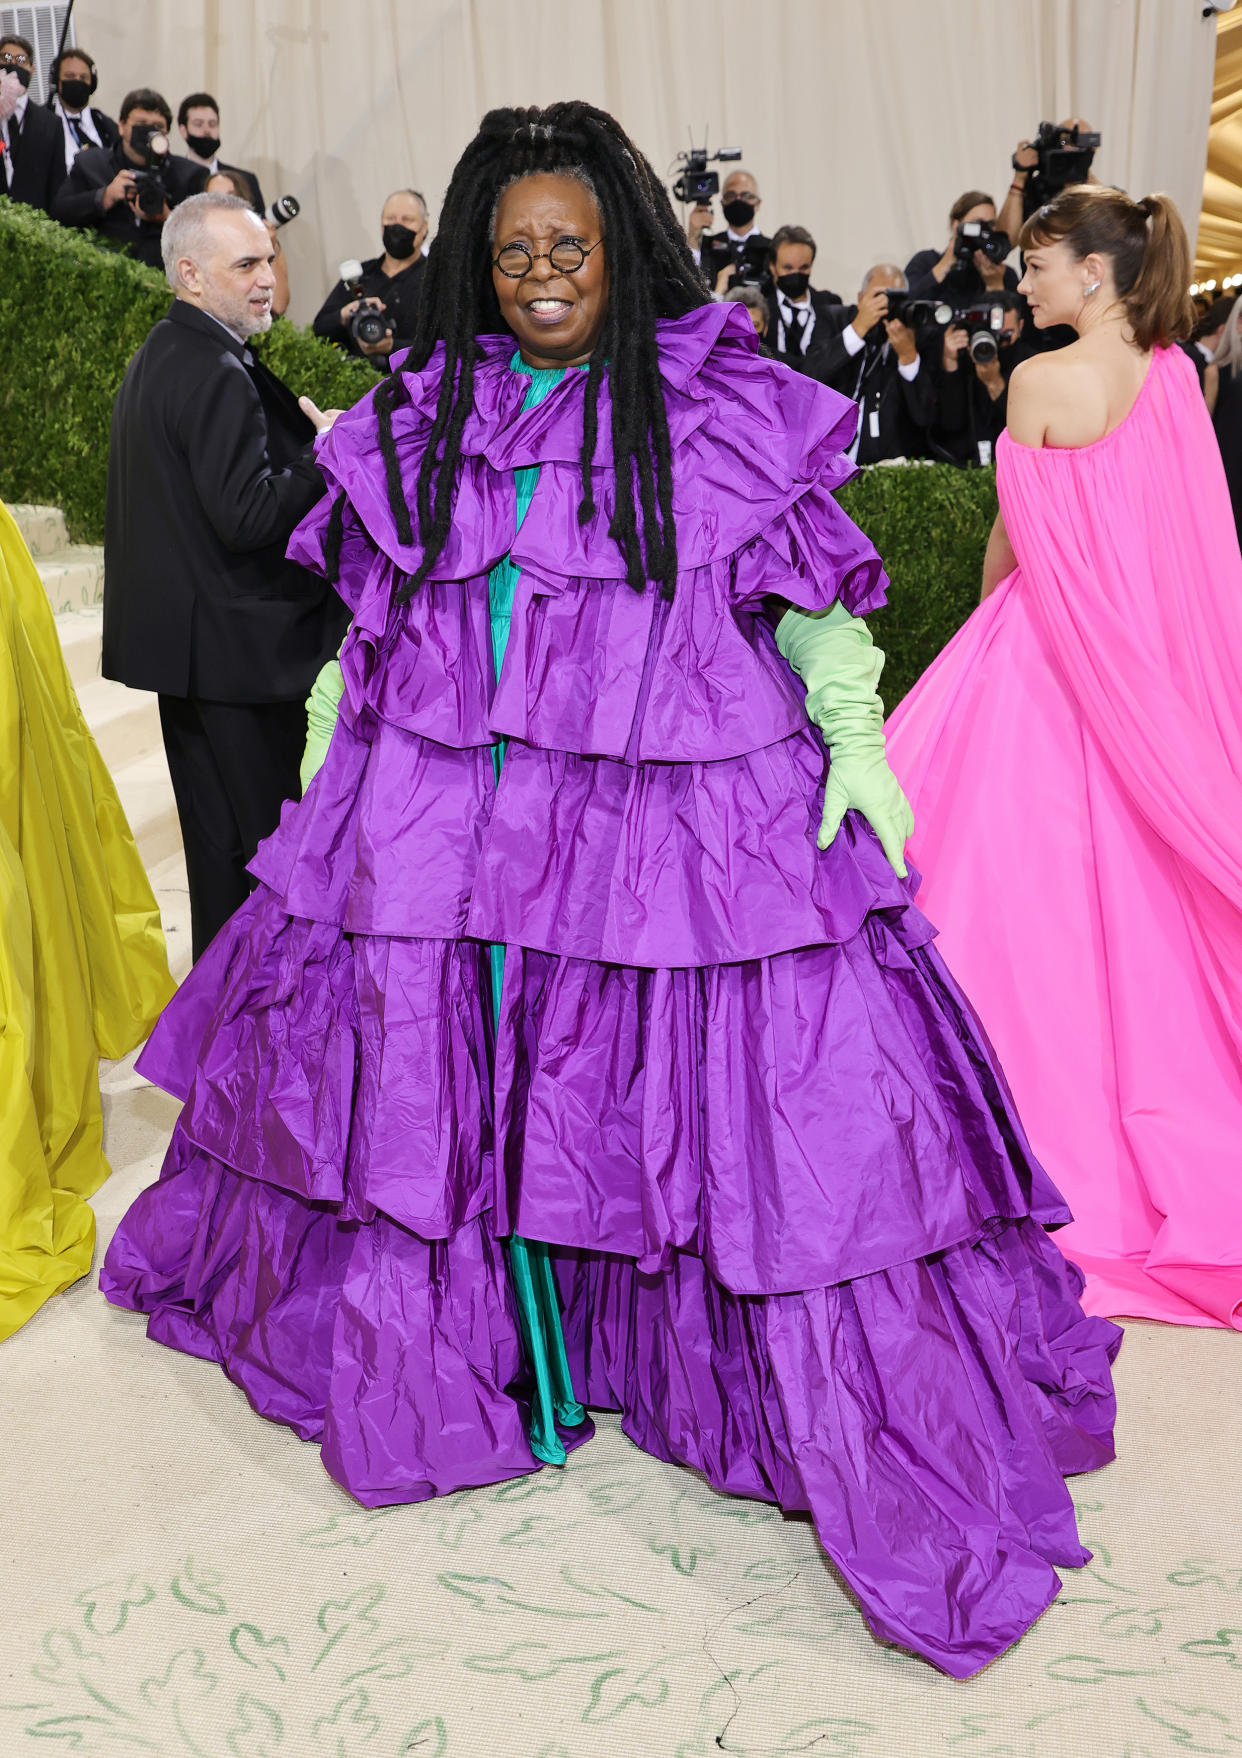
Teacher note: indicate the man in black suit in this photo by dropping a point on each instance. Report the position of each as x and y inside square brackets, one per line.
[32, 163]
[198, 122]
[972, 388]
[794, 306]
[875, 360]
[210, 469]
[1206, 335]
[741, 247]
[101, 191]
[73, 81]
[391, 283]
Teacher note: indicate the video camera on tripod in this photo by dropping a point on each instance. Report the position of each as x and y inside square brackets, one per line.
[696, 184]
[1065, 156]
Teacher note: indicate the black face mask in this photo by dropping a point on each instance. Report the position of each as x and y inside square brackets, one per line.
[75, 93]
[203, 146]
[793, 286]
[23, 73]
[739, 212]
[399, 242]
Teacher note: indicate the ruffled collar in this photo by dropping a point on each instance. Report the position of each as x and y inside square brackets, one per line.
[510, 437]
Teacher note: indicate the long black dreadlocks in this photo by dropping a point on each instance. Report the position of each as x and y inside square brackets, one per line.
[652, 275]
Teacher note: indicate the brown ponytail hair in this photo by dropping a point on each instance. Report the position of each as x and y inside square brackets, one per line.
[1146, 244]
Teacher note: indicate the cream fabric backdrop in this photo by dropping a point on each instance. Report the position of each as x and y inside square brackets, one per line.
[862, 121]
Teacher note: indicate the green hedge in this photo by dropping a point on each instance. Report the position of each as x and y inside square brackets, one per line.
[930, 522]
[72, 315]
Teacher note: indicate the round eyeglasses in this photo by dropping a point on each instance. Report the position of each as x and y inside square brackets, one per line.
[567, 257]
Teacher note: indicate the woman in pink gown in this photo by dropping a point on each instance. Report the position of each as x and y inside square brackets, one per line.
[1074, 761]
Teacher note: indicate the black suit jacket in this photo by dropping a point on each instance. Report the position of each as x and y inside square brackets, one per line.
[823, 303]
[209, 470]
[79, 200]
[38, 162]
[105, 127]
[717, 250]
[894, 412]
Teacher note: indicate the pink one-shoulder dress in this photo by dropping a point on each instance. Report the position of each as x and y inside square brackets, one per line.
[1074, 760]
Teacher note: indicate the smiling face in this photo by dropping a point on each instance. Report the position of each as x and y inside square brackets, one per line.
[1055, 282]
[557, 317]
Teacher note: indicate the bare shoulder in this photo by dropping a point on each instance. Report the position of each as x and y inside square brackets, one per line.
[1057, 399]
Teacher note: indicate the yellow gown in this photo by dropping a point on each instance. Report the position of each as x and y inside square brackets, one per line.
[83, 967]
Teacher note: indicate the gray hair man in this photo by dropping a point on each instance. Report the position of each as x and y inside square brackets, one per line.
[872, 356]
[210, 468]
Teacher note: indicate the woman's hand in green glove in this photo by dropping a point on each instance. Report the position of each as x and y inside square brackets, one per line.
[322, 706]
[835, 657]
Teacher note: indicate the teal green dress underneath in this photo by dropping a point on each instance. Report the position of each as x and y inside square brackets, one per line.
[534, 1286]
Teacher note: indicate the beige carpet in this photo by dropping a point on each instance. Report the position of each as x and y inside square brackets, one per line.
[181, 1578]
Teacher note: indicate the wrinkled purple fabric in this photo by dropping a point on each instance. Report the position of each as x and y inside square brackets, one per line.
[797, 1222]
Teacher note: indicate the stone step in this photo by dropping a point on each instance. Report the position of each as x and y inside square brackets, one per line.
[172, 893]
[125, 723]
[81, 632]
[43, 528]
[146, 795]
[72, 576]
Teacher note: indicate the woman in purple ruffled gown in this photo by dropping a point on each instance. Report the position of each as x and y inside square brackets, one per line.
[548, 1005]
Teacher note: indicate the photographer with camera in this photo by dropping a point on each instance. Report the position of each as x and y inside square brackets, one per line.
[127, 191]
[739, 255]
[972, 262]
[981, 347]
[73, 81]
[793, 305]
[1061, 154]
[868, 353]
[31, 161]
[198, 123]
[370, 312]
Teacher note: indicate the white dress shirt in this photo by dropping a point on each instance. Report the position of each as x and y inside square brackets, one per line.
[854, 345]
[80, 131]
[786, 308]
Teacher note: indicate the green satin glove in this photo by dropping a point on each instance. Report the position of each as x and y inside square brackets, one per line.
[835, 657]
[321, 710]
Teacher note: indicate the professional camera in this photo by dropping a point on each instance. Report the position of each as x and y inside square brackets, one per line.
[985, 320]
[152, 192]
[367, 324]
[981, 235]
[983, 317]
[1065, 156]
[697, 184]
[282, 210]
[918, 313]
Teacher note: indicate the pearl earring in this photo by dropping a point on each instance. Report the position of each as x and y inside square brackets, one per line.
[1090, 288]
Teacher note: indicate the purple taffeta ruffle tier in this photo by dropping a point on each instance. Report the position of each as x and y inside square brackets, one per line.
[797, 1225]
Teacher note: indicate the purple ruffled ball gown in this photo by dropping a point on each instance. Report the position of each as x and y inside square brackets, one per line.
[797, 1228]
